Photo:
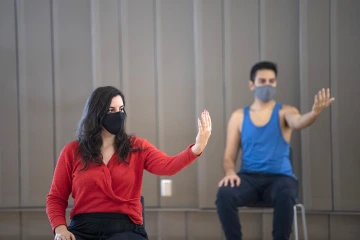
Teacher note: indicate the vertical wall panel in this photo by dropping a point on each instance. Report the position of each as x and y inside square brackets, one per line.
[139, 84]
[241, 51]
[172, 59]
[251, 224]
[35, 100]
[345, 51]
[279, 35]
[72, 62]
[241, 39]
[344, 227]
[279, 42]
[317, 227]
[267, 226]
[151, 224]
[72, 67]
[10, 225]
[209, 92]
[105, 26]
[35, 226]
[9, 129]
[315, 75]
[172, 225]
[176, 91]
[203, 226]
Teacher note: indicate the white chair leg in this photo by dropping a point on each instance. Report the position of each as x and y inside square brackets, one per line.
[296, 224]
[304, 221]
[303, 216]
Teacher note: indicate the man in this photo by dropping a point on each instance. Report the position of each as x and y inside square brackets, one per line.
[263, 131]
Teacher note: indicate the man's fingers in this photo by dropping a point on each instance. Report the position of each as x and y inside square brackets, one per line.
[237, 181]
[225, 182]
[320, 99]
[329, 98]
[221, 183]
[316, 101]
[232, 182]
[326, 99]
[323, 99]
[328, 93]
[330, 101]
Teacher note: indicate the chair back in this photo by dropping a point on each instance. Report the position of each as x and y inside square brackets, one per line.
[143, 209]
[291, 156]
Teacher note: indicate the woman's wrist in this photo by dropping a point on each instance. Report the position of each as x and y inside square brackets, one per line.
[196, 149]
[60, 228]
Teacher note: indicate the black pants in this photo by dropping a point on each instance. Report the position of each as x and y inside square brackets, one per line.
[278, 190]
[106, 226]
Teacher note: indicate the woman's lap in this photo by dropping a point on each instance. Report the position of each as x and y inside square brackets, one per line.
[119, 236]
[126, 236]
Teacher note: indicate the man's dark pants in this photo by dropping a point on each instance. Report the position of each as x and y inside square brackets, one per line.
[278, 190]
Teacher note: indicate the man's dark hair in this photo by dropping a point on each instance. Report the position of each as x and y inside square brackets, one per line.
[261, 66]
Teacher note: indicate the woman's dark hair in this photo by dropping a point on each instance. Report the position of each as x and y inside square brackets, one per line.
[89, 128]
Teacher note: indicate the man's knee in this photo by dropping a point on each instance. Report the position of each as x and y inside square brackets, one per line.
[286, 197]
[225, 195]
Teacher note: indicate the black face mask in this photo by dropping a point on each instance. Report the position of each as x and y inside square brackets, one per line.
[114, 122]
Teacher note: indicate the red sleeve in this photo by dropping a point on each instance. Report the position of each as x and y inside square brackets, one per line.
[57, 199]
[157, 162]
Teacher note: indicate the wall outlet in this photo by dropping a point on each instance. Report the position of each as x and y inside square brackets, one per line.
[166, 187]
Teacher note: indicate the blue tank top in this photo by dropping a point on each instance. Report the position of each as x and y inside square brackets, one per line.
[264, 149]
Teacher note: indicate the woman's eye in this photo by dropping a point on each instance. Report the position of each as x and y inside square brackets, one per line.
[113, 110]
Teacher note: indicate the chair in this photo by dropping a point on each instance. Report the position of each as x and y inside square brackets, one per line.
[261, 204]
[143, 209]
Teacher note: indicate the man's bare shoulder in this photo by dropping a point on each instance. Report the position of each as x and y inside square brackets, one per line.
[286, 108]
[238, 113]
[236, 119]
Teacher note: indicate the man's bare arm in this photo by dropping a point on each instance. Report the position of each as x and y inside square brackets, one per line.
[297, 121]
[232, 142]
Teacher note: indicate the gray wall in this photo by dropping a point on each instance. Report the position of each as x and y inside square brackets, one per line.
[173, 58]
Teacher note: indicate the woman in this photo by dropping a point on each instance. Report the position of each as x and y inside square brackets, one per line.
[103, 171]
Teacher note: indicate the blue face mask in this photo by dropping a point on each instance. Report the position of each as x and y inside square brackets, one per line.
[265, 93]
